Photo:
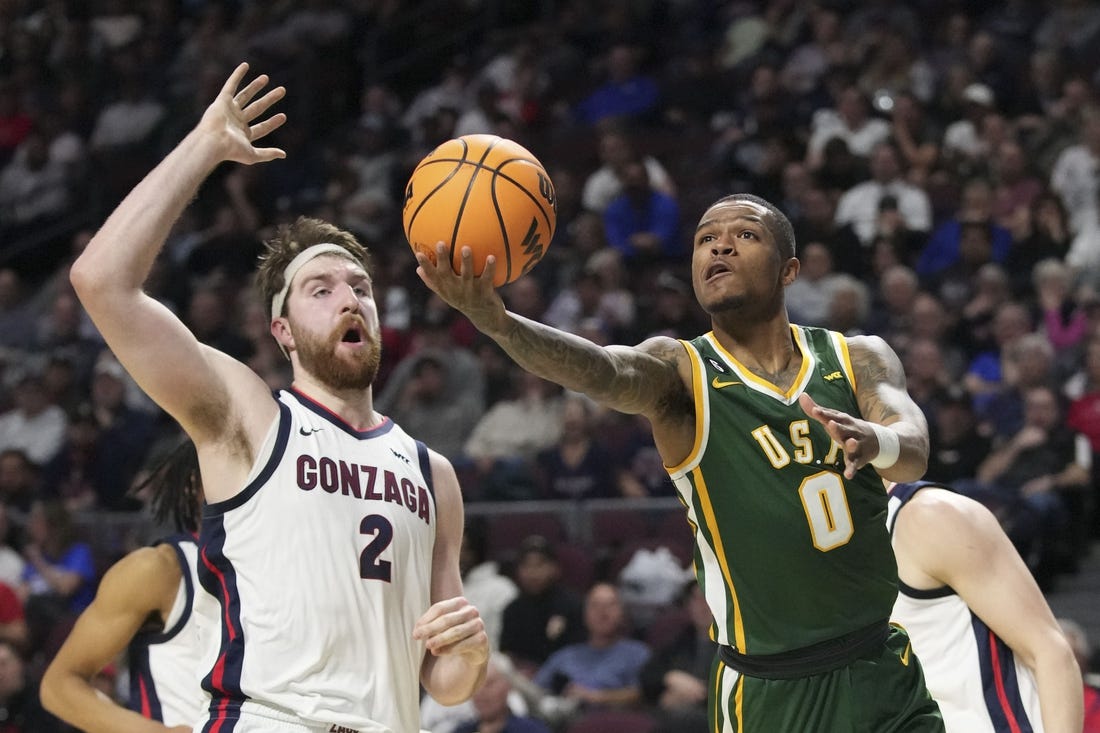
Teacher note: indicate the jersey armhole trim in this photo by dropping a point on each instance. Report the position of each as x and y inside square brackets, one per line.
[220, 507]
[702, 416]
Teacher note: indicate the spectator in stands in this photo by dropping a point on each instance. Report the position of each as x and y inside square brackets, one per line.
[892, 309]
[1073, 176]
[1083, 416]
[63, 328]
[849, 305]
[483, 584]
[917, 137]
[641, 222]
[1015, 184]
[818, 224]
[437, 333]
[20, 710]
[671, 309]
[59, 579]
[546, 615]
[859, 206]
[34, 425]
[605, 669]
[626, 92]
[578, 466]
[16, 319]
[34, 187]
[675, 680]
[1027, 362]
[984, 373]
[957, 447]
[19, 479]
[430, 411]
[1042, 233]
[11, 561]
[616, 147]
[491, 703]
[962, 143]
[123, 431]
[953, 244]
[1023, 477]
[505, 440]
[808, 296]
[599, 290]
[851, 121]
[13, 619]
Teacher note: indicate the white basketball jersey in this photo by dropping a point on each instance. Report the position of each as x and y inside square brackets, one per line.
[970, 671]
[165, 666]
[322, 565]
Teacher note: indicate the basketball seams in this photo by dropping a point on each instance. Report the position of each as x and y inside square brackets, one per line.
[501, 223]
[512, 194]
[424, 199]
[477, 167]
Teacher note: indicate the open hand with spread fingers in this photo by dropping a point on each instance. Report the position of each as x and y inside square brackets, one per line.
[231, 119]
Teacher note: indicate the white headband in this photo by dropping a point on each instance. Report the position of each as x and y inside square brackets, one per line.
[296, 264]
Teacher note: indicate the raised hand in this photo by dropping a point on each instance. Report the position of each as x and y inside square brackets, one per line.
[231, 118]
[473, 295]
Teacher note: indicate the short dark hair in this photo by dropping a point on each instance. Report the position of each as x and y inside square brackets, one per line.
[780, 226]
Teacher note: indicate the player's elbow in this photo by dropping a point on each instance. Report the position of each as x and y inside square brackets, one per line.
[49, 692]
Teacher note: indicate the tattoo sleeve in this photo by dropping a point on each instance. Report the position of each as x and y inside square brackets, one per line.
[627, 379]
[880, 381]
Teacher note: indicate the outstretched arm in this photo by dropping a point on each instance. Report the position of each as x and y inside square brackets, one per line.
[452, 629]
[636, 380]
[898, 455]
[192, 382]
[957, 542]
[141, 584]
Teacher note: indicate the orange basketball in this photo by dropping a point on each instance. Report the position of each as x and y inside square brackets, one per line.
[485, 192]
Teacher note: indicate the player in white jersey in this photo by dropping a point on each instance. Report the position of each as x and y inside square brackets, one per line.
[993, 655]
[330, 539]
[150, 605]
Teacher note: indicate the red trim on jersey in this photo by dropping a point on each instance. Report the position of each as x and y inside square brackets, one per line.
[998, 680]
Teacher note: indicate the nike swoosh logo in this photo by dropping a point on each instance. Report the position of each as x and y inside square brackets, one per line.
[905, 654]
[311, 431]
[719, 383]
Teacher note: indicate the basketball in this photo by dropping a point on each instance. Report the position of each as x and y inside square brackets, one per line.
[485, 192]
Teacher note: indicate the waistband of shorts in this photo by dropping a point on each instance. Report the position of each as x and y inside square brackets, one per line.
[819, 658]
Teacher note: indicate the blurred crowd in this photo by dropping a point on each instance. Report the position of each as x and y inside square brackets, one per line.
[940, 161]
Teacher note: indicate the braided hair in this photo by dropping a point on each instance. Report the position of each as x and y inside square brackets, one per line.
[175, 489]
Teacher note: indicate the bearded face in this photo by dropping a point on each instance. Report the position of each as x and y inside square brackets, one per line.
[346, 358]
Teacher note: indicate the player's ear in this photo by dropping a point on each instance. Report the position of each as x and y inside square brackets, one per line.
[790, 270]
[280, 329]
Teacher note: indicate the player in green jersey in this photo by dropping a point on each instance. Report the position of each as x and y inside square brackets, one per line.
[777, 437]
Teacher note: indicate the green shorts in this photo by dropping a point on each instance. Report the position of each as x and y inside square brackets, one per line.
[881, 692]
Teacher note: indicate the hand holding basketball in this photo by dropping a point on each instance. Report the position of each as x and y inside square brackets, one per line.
[486, 193]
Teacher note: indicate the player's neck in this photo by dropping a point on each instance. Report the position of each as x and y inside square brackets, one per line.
[353, 406]
[765, 345]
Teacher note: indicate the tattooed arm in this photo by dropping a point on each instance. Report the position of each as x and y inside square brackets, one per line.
[883, 401]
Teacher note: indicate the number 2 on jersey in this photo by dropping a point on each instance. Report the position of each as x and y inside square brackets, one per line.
[826, 507]
[370, 567]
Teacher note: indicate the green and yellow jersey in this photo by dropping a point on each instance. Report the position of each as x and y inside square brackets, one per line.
[788, 552]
